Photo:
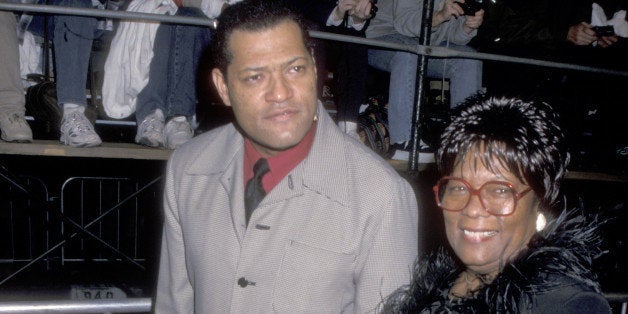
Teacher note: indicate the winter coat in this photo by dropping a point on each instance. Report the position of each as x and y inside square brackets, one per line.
[553, 275]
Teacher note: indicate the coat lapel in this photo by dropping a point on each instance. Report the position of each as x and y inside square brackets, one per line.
[226, 167]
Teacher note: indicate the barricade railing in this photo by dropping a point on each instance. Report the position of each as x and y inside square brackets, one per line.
[131, 305]
[144, 305]
[431, 51]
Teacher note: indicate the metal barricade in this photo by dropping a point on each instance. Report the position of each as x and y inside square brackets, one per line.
[102, 207]
[24, 229]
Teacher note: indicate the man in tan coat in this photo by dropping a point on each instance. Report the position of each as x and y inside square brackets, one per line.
[337, 228]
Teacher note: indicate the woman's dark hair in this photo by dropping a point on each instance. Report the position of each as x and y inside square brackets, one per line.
[254, 15]
[523, 136]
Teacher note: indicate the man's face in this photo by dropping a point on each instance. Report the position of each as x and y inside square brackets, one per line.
[271, 86]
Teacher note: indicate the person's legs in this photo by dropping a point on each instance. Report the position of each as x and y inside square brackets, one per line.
[150, 121]
[153, 95]
[465, 75]
[188, 42]
[402, 66]
[177, 51]
[73, 37]
[12, 104]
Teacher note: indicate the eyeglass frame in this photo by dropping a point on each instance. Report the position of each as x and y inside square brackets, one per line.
[476, 192]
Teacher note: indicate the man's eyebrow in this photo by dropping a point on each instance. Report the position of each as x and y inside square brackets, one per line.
[262, 68]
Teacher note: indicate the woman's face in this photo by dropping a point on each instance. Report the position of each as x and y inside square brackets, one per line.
[482, 241]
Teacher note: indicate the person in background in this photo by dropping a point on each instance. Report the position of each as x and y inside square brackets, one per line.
[399, 21]
[595, 101]
[164, 105]
[348, 62]
[167, 104]
[72, 42]
[502, 161]
[279, 211]
[12, 102]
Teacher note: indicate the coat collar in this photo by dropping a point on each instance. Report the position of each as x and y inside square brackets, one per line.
[324, 170]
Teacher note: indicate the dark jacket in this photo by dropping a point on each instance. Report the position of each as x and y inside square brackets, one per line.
[524, 28]
[552, 276]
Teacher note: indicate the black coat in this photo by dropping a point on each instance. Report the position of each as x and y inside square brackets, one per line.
[552, 276]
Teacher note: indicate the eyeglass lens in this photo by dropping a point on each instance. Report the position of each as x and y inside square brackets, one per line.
[497, 198]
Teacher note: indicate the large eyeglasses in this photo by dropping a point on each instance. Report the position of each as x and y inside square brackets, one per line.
[498, 198]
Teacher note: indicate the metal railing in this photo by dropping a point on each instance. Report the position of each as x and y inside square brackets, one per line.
[144, 305]
[131, 305]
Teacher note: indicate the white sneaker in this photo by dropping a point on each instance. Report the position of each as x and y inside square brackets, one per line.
[14, 127]
[77, 131]
[151, 131]
[177, 131]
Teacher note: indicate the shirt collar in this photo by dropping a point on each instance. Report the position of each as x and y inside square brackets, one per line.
[281, 164]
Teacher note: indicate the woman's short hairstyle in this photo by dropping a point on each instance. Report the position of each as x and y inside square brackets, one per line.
[254, 15]
[523, 136]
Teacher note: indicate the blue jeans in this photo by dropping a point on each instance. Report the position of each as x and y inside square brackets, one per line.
[73, 38]
[172, 76]
[465, 78]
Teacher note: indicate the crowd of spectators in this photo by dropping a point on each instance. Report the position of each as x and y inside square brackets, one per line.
[164, 102]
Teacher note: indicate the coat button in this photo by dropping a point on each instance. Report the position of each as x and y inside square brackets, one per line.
[243, 282]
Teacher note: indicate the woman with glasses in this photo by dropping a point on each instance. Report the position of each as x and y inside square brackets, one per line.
[503, 160]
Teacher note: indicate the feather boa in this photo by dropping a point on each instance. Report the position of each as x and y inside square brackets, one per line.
[565, 249]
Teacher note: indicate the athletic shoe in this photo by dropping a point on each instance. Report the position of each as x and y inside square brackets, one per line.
[14, 127]
[77, 131]
[151, 131]
[177, 131]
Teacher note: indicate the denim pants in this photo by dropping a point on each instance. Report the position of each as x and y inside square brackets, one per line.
[465, 78]
[172, 76]
[73, 37]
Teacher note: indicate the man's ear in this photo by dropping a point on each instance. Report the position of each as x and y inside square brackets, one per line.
[221, 86]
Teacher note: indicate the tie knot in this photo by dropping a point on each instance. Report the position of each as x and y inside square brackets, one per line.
[260, 168]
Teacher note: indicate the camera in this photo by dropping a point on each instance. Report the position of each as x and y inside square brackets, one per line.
[470, 6]
[603, 30]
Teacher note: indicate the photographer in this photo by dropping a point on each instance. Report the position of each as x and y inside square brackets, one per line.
[399, 21]
[594, 31]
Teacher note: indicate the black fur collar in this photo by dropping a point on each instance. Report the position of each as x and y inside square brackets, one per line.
[561, 254]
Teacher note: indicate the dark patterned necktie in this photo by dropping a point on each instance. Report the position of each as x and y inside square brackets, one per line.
[254, 192]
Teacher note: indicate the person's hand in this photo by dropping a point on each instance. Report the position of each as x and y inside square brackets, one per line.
[607, 41]
[342, 7]
[473, 22]
[361, 11]
[449, 9]
[581, 34]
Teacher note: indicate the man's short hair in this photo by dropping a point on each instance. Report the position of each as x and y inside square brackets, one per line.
[254, 15]
[524, 137]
